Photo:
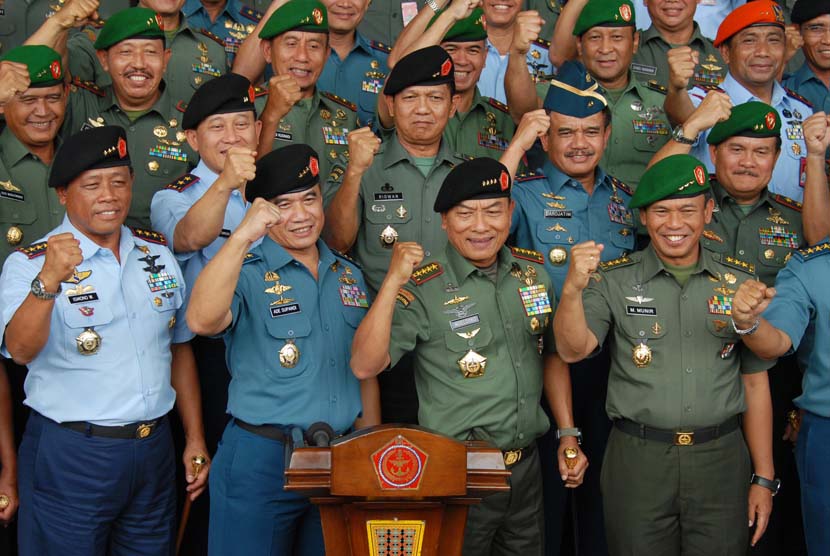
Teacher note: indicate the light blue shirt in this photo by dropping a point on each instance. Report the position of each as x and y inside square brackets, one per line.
[800, 309]
[491, 81]
[128, 379]
[233, 24]
[709, 14]
[807, 84]
[789, 176]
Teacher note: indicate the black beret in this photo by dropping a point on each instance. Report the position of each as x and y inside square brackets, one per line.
[479, 178]
[97, 147]
[805, 10]
[225, 94]
[287, 170]
[427, 66]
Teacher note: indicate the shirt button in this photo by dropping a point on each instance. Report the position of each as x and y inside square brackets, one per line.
[428, 219]
[334, 399]
[689, 370]
[521, 435]
[684, 297]
[740, 252]
[521, 401]
[688, 333]
[688, 409]
[331, 362]
[427, 253]
[326, 327]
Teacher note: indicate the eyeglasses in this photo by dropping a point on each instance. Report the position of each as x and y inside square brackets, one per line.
[816, 29]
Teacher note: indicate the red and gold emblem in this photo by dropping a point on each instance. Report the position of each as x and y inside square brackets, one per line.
[769, 120]
[700, 175]
[122, 147]
[625, 12]
[504, 180]
[400, 465]
[55, 68]
[446, 67]
[317, 15]
[313, 166]
[251, 93]
[159, 22]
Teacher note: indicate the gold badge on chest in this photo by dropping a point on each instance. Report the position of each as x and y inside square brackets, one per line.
[472, 365]
[88, 342]
[289, 354]
[641, 355]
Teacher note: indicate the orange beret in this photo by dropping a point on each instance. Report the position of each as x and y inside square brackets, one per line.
[759, 12]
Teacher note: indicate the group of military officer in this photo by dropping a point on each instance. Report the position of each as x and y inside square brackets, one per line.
[282, 332]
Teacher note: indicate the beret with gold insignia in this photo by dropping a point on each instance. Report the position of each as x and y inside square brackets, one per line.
[427, 66]
[574, 92]
[479, 178]
[97, 147]
[757, 13]
[468, 29]
[679, 175]
[290, 169]
[296, 15]
[132, 23]
[43, 63]
[605, 13]
[750, 119]
[223, 95]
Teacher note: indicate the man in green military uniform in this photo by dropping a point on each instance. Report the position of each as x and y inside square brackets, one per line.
[384, 21]
[295, 40]
[476, 318]
[131, 48]
[681, 382]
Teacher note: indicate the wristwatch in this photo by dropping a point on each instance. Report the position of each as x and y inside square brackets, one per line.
[574, 431]
[433, 4]
[39, 290]
[773, 485]
[746, 332]
[678, 136]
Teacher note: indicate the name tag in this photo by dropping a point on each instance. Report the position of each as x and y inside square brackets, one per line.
[466, 321]
[558, 213]
[639, 311]
[641, 68]
[13, 195]
[396, 196]
[283, 136]
[282, 310]
[83, 298]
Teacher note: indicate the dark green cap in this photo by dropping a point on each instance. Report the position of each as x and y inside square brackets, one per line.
[679, 175]
[131, 23]
[468, 29]
[605, 13]
[479, 178]
[300, 15]
[44, 64]
[750, 119]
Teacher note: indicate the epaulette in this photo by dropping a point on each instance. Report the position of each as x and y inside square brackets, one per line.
[655, 86]
[345, 257]
[259, 91]
[542, 42]
[249, 258]
[810, 252]
[34, 250]
[212, 36]
[427, 273]
[182, 183]
[377, 45]
[405, 297]
[89, 86]
[709, 87]
[463, 156]
[528, 255]
[336, 173]
[339, 100]
[149, 236]
[528, 176]
[498, 105]
[619, 262]
[787, 202]
[739, 264]
[796, 96]
[622, 187]
[251, 13]
[710, 235]
[181, 106]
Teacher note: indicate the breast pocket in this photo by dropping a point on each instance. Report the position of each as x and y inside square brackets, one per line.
[86, 331]
[643, 329]
[15, 208]
[650, 135]
[387, 218]
[470, 347]
[720, 326]
[622, 239]
[292, 350]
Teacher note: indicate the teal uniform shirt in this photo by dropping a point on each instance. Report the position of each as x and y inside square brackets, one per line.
[158, 149]
[310, 381]
[651, 59]
[808, 85]
[359, 78]
[233, 24]
[28, 207]
[484, 130]
[766, 236]
[554, 212]
[450, 310]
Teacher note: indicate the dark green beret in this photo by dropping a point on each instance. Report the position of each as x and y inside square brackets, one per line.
[132, 23]
[605, 13]
[479, 178]
[223, 95]
[427, 66]
[678, 175]
[287, 170]
[805, 10]
[300, 15]
[468, 29]
[574, 92]
[44, 64]
[750, 119]
[96, 147]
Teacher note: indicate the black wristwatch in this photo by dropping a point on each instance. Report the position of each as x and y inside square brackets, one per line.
[773, 485]
[678, 136]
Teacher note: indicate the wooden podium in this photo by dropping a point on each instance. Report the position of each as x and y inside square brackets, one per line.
[396, 490]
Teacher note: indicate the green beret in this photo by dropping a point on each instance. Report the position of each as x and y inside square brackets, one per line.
[427, 66]
[574, 92]
[302, 15]
[225, 94]
[750, 119]
[131, 23]
[605, 13]
[289, 169]
[479, 178]
[679, 175]
[96, 147]
[468, 29]
[44, 64]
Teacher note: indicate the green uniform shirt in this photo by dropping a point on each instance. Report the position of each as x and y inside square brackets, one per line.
[158, 149]
[765, 237]
[27, 204]
[451, 309]
[485, 130]
[395, 194]
[197, 56]
[693, 378]
[651, 59]
[384, 20]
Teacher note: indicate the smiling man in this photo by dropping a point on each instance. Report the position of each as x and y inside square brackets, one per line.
[812, 80]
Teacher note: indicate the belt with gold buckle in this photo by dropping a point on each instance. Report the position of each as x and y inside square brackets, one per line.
[138, 431]
[678, 438]
[512, 457]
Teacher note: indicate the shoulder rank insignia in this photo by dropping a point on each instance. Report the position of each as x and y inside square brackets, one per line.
[339, 100]
[34, 250]
[810, 252]
[89, 86]
[710, 235]
[796, 96]
[655, 86]
[251, 13]
[622, 187]
[377, 45]
[405, 297]
[787, 202]
[739, 264]
[181, 106]
[542, 42]
[182, 183]
[529, 176]
[149, 236]
[212, 36]
[498, 105]
[528, 255]
[336, 173]
[250, 257]
[345, 257]
[427, 273]
[619, 262]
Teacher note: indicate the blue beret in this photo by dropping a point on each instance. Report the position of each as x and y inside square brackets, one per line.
[574, 92]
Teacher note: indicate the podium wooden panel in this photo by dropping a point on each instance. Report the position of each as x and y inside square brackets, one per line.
[396, 490]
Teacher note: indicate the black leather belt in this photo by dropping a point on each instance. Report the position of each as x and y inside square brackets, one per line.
[272, 432]
[134, 430]
[512, 457]
[678, 438]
